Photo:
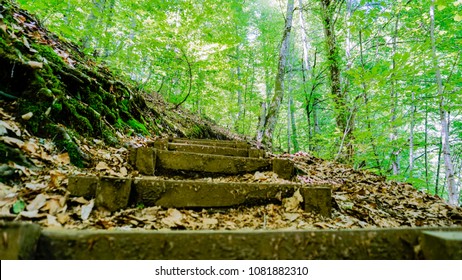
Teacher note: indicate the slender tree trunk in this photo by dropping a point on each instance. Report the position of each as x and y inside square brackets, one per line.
[426, 142]
[273, 110]
[238, 123]
[366, 104]
[453, 192]
[306, 43]
[394, 104]
[411, 137]
[294, 136]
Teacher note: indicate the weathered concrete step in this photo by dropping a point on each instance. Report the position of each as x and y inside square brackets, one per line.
[18, 240]
[216, 143]
[150, 161]
[206, 149]
[442, 245]
[116, 193]
[381, 244]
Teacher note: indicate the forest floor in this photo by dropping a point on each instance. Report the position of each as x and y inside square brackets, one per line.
[34, 167]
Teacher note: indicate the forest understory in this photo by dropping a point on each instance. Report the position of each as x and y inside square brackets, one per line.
[63, 114]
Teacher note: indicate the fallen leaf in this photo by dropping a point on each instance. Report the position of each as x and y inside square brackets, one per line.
[102, 166]
[30, 214]
[63, 218]
[18, 206]
[35, 186]
[38, 202]
[123, 171]
[52, 206]
[35, 65]
[173, 219]
[52, 221]
[64, 158]
[291, 216]
[86, 210]
[259, 176]
[27, 116]
[292, 203]
[80, 200]
[12, 141]
[30, 147]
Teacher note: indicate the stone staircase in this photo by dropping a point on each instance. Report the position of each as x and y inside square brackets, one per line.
[215, 158]
[198, 157]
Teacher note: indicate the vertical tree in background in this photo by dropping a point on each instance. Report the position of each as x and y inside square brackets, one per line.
[452, 188]
[343, 118]
[273, 110]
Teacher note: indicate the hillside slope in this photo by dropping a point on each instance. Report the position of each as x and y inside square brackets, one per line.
[63, 94]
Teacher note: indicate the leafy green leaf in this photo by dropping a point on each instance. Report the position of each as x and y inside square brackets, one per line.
[18, 207]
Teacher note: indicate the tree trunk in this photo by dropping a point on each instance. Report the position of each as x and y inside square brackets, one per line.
[238, 122]
[342, 117]
[294, 135]
[411, 137]
[273, 110]
[394, 104]
[453, 192]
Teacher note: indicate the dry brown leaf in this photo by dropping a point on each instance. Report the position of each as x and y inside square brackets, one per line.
[293, 203]
[102, 166]
[38, 202]
[80, 200]
[12, 141]
[33, 65]
[123, 171]
[52, 206]
[35, 186]
[31, 214]
[30, 147]
[64, 158]
[56, 178]
[173, 219]
[29, 115]
[52, 221]
[86, 210]
[63, 218]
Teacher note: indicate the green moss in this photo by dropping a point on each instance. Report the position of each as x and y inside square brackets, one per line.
[138, 127]
[109, 137]
[57, 106]
[65, 145]
[49, 54]
[77, 120]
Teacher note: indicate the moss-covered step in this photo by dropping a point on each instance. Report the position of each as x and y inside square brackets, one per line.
[150, 161]
[208, 142]
[19, 240]
[117, 193]
[439, 245]
[207, 149]
[199, 194]
[362, 244]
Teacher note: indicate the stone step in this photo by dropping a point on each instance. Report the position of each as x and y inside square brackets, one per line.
[216, 143]
[439, 245]
[118, 193]
[206, 149]
[29, 241]
[362, 244]
[19, 240]
[151, 161]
